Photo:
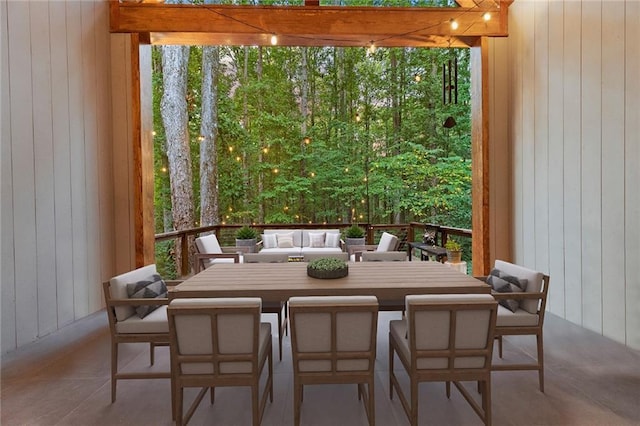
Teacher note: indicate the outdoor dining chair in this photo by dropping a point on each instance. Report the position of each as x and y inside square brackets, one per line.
[218, 342]
[333, 341]
[444, 338]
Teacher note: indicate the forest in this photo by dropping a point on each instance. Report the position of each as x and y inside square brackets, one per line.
[311, 135]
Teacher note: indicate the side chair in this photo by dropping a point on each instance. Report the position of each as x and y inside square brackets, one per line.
[333, 341]
[388, 242]
[520, 312]
[273, 307]
[125, 324]
[444, 338]
[209, 252]
[219, 342]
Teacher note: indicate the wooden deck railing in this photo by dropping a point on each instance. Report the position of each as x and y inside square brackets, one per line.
[407, 232]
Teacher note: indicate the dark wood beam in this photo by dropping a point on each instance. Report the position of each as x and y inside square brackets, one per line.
[307, 25]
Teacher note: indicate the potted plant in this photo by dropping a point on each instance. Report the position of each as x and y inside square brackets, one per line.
[354, 236]
[454, 250]
[327, 268]
[247, 237]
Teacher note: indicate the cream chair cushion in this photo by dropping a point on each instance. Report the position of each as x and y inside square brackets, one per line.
[119, 289]
[384, 256]
[519, 318]
[155, 322]
[353, 330]
[432, 329]
[534, 282]
[235, 333]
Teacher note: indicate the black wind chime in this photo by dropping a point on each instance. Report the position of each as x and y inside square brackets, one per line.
[450, 81]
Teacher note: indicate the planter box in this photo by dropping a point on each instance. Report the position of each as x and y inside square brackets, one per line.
[248, 243]
[327, 275]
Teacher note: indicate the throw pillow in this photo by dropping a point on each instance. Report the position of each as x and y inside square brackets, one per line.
[269, 241]
[316, 239]
[332, 239]
[503, 283]
[151, 288]
[285, 240]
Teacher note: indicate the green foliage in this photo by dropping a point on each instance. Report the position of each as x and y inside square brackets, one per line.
[452, 245]
[396, 164]
[327, 264]
[246, 233]
[354, 231]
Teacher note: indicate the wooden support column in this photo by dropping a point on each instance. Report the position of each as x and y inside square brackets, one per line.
[480, 156]
[142, 140]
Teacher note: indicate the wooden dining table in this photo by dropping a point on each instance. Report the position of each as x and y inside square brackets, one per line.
[280, 281]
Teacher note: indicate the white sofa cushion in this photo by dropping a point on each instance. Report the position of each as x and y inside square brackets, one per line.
[208, 244]
[316, 239]
[269, 241]
[285, 240]
[387, 242]
[297, 234]
[332, 239]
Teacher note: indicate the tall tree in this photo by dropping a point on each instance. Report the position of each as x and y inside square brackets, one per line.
[209, 208]
[173, 108]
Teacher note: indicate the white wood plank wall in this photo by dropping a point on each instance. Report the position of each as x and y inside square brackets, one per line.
[59, 218]
[569, 136]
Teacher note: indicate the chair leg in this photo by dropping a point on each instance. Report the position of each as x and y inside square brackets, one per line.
[255, 403]
[179, 402]
[540, 361]
[486, 401]
[372, 406]
[414, 402]
[280, 332]
[391, 354]
[499, 346]
[297, 399]
[114, 370]
[212, 389]
[152, 352]
[448, 387]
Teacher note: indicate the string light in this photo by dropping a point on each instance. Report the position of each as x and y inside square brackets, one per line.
[372, 47]
[358, 118]
[307, 140]
[454, 24]
[417, 77]
[486, 16]
[274, 40]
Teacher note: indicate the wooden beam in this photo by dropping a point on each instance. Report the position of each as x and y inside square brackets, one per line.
[306, 25]
[141, 111]
[480, 157]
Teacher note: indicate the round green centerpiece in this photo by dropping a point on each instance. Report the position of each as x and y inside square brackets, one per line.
[327, 268]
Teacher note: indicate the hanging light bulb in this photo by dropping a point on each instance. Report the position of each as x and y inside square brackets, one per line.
[454, 24]
[486, 16]
[417, 77]
[274, 40]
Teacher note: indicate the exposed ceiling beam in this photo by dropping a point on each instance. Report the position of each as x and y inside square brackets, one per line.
[308, 25]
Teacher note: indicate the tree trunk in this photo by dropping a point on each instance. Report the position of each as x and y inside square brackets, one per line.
[260, 174]
[209, 132]
[173, 108]
[304, 112]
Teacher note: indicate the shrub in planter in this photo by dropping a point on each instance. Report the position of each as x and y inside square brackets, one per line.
[327, 268]
[246, 237]
[454, 251]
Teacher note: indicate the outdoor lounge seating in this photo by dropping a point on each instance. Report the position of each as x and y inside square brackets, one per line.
[388, 242]
[333, 341]
[209, 252]
[139, 319]
[521, 313]
[444, 338]
[298, 242]
[219, 342]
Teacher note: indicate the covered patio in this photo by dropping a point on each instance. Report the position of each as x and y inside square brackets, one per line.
[64, 380]
[557, 162]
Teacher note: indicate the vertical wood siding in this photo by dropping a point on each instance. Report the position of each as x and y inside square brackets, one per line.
[573, 120]
[58, 236]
